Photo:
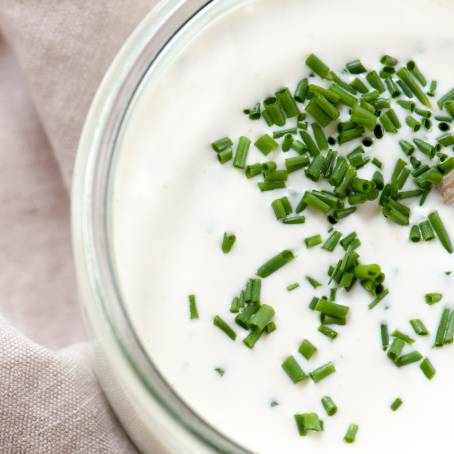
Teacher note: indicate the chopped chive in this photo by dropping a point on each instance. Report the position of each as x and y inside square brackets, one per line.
[388, 60]
[392, 87]
[223, 326]
[400, 335]
[405, 88]
[377, 299]
[377, 178]
[223, 144]
[314, 171]
[412, 123]
[446, 166]
[225, 156]
[329, 406]
[319, 136]
[193, 311]
[375, 82]
[310, 144]
[242, 319]
[427, 368]
[331, 111]
[363, 117]
[396, 404]
[307, 349]
[281, 207]
[313, 303]
[256, 112]
[294, 220]
[351, 433]
[275, 175]
[315, 202]
[407, 77]
[252, 338]
[359, 85]
[384, 334]
[396, 349]
[327, 331]
[296, 163]
[275, 111]
[332, 309]
[355, 67]
[274, 403]
[313, 282]
[432, 298]
[348, 240]
[407, 147]
[241, 153]
[426, 231]
[308, 422]
[317, 66]
[313, 241]
[419, 327]
[413, 68]
[287, 102]
[367, 271]
[349, 134]
[292, 287]
[276, 262]
[344, 96]
[266, 144]
[220, 371]
[407, 105]
[449, 333]
[442, 326]
[228, 240]
[301, 90]
[449, 96]
[415, 234]
[271, 185]
[322, 372]
[332, 241]
[253, 170]
[440, 230]
[262, 317]
[293, 370]
[270, 328]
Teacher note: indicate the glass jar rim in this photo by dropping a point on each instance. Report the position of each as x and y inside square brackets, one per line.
[92, 186]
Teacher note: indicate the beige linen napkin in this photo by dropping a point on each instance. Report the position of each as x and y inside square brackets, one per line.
[53, 54]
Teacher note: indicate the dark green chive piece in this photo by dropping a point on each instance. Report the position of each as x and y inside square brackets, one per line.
[255, 112]
[384, 334]
[396, 404]
[307, 349]
[449, 96]
[228, 240]
[388, 60]
[400, 335]
[426, 231]
[287, 102]
[223, 326]
[266, 144]
[310, 143]
[412, 123]
[355, 67]
[275, 111]
[220, 371]
[327, 331]
[419, 327]
[322, 372]
[415, 234]
[440, 230]
[252, 338]
[442, 327]
[375, 82]
[409, 358]
[281, 207]
[301, 90]
[317, 66]
[262, 317]
[332, 241]
[293, 370]
[241, 153]
[276, 262]
[329, 406]
[432, 298]
[319, 136]
[313, 241]
[313, 282]
[427, 368]
[306, 422]
[193, 311]
[396, 349]
[417, 74]
[407, 77]
[449, 333]
[223, 144]
[351, 433]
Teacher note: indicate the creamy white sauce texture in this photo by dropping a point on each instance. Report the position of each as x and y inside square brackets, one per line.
[173, 201]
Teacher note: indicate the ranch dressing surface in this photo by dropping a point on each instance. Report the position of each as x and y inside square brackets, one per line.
[173, 201]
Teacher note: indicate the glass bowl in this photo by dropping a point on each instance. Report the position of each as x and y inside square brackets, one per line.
[154, 416]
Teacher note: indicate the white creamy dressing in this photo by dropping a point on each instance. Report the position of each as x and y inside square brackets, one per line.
[173, 201]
